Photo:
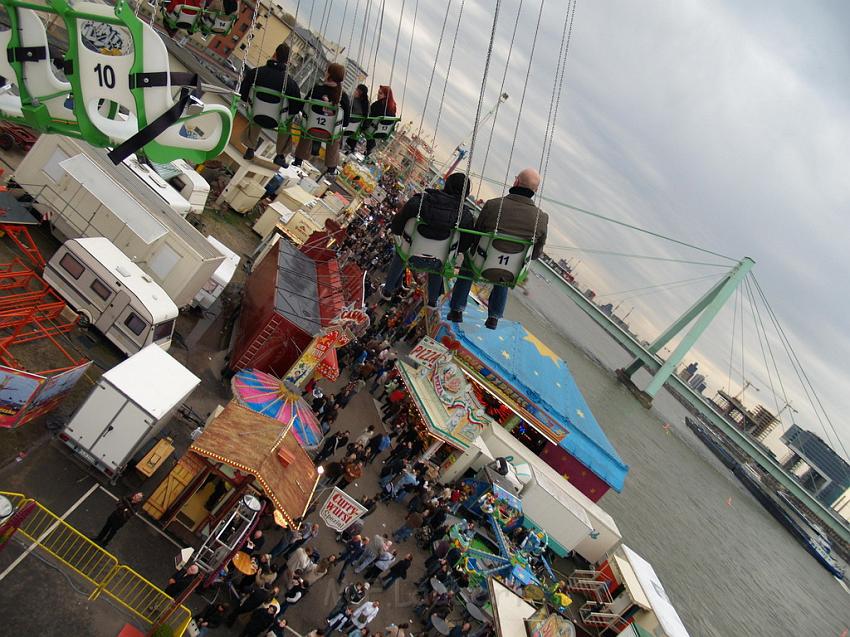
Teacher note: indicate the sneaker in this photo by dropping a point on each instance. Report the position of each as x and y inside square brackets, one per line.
[249, 153]
[331, 172]
[297, 161]
[279, 160]
[455, 316]
[491, 323]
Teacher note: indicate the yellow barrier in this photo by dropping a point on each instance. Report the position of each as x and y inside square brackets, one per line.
[139, 596]
[91, 562]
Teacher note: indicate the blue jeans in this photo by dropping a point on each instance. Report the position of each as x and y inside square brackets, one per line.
[402, 533]
[495, 306]
[396, 271]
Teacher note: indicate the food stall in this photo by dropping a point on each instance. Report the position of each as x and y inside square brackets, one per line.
[240, 451]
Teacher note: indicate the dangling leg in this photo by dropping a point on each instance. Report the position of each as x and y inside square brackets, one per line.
[302, 150]
[332, 157]
[496, 306]
[252, 134]
[284, 144]
[463, 284]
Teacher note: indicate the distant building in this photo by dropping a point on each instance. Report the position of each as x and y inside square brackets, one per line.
[828, 474]
[590, 294]
[842, 505]
[689, 371]
[354, 75]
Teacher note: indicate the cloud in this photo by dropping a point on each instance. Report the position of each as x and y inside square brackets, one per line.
[724, 124]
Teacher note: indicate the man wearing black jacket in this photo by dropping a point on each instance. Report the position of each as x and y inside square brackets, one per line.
[271, 77]
[438, 212]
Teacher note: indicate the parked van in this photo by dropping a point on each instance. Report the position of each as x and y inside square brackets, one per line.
[112, 293]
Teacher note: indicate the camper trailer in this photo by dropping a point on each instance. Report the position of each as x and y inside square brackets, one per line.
[82, 194]
[112, 293]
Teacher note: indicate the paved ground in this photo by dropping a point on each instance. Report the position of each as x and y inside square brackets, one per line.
[51, 474]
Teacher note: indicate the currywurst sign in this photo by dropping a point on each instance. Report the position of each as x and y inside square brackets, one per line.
[340, 510]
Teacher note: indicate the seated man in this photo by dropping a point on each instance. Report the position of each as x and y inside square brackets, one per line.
[438, 218]
[271, 76]
[518, 218]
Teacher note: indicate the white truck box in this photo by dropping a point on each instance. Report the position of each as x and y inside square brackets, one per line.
[221, 277]
[294, 198]
[605, 534]
[128, 407]
[547, 506]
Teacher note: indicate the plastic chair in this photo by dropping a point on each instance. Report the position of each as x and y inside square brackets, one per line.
[185, 17]
[501, 258]
[412, 247]
[324, 121]
[269, 108]
[379, 128]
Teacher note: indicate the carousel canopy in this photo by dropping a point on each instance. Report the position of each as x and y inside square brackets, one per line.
[524, 371]
[268, 395]
[266, 449]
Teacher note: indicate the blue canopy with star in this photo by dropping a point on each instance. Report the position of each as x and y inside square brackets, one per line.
[511, 355]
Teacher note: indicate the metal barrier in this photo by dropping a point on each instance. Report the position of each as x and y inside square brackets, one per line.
[144, 599]
[74, 550]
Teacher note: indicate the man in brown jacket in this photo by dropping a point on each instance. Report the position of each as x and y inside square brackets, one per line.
[519, 217]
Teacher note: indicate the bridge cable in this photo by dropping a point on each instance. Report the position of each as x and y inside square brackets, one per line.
[614, 253]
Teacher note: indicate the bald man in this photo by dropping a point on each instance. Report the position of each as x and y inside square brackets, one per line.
[517, 215]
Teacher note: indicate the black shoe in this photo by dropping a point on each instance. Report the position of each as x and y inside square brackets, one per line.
[455, 316]
[491, 323]
[249, 153]
[331, 172]
[297, 161]
[279, 160]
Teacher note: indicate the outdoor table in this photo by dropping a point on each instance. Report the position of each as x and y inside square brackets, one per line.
[477, 613]
[438, 586]
[440, 625]
[244, 564]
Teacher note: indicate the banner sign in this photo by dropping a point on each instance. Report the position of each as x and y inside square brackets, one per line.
[340, 510]
[428, 352]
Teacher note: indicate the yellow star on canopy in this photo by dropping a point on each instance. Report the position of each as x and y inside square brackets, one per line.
[506, 355]
[542, 348]
[579, 413]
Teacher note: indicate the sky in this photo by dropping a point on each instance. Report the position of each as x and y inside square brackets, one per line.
[722, 124]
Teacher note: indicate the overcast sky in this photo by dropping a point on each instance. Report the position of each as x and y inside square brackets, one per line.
[722, 124]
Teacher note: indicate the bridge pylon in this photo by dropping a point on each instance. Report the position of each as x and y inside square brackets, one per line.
[700, 314]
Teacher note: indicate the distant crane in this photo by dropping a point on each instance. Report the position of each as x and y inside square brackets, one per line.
[747, 384]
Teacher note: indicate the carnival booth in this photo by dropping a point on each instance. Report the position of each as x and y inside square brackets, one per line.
[513, 616]
[625, 596]
[240, 451]
[291, 296]
[448, 411]
[529, 390]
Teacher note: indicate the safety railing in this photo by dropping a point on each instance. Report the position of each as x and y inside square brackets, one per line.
[51, 534]
[145, 600]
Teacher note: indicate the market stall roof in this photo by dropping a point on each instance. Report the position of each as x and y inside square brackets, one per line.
[434, 413]
[656, 595]
[266, 449]
[546, 389]
[509, 610]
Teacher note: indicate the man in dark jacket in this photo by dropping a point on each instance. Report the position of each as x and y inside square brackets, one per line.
[517, 215]
[332, 444]
[125, 510]
[437, 220]
[271, 77]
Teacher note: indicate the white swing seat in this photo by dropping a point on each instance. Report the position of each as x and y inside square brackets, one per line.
[217, 23]
[501, 258]
[40, 81]
[269, 108]
[324, 121]
[184, 16]
[414, 248]
[382, 127]
[354, 125]
[107, 77]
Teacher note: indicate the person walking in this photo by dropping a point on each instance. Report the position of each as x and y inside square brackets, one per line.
[294, 595]
[353, 551]
[260, 621]
[304, 536]
[412, 521]
[351, 471]
[365, 613]
[125, 510]
[515, 214]
[339, 621]
[376, 445]
[256, 598]
[332, 444]
[397, 571]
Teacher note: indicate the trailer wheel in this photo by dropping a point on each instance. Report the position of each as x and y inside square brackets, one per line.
[6, 141]
[83, 320]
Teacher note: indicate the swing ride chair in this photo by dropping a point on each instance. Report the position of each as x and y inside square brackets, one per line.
[193, 18]
[498, 258]
[120, 84]
[269, 109]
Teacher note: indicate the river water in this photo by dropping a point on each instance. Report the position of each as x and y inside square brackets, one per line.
[728, 567]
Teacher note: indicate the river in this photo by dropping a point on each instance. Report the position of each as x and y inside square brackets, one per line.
[729, 568]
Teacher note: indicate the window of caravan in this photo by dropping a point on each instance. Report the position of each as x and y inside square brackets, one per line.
[72, 266]
[100, 289]
[136, 325]
[163, 330]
